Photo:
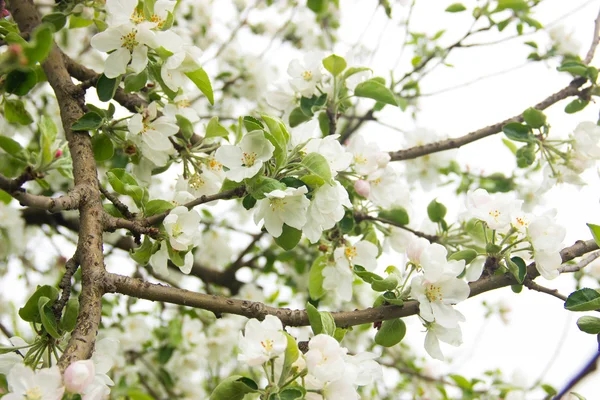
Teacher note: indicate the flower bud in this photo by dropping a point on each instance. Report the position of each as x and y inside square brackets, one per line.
[79, 375]
[383, 159]
[362, 187]
[415, 249]
[58, 153]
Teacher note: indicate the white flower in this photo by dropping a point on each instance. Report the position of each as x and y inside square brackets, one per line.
[338, 279]
[79, 375]
[282, 98]
[43, 384]
[362, 187]
[182, 227]
[181, 106]
[304, 77]
[586, 139]
[262, 341]
[215, 249]
[326, 208]
[362, 253]
[436, 298]
[437, 333]
[160, 261]
[415, 249]
[475, 269]
[330, 148]
[208, 182]
[191, 331]
[130, 44]
[184, 59]
[387, 190]
[325, 358]
[435, 264]
[425, 170]
[545, 234]
[367, 370]
[246, 159]
[280, 207]
[559, 173]
[496, 211]
[366, 156]
[152, 134]
[119, 12]
[564, 41]
[548, 263]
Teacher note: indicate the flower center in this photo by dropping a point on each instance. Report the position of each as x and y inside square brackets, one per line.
[267, 344]
[433, 293]
[196, 181]
[277, 204]
[248, 159]
[129, 41]
[495, 214]
[376, 181]
[177, 230]
[214, 164]
[157, 20]
[360, 159]
[521, 222]
[183, 103]
[350, 253]
[307, 75]
[33, 394]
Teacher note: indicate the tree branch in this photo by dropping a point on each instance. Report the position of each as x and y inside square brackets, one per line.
[454, 143]
[362, 216]
[123, 209]
[552, 292]
[144, 290]
[71, 102]
[595, 40]
[581, 264]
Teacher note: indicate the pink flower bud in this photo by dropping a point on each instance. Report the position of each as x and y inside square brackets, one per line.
[79, 375]
[362, 187]
[58, 153]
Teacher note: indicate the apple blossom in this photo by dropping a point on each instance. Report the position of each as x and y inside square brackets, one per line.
[496, 210]
[361, 253]
[262, 341]
[79, 375]
[362, 187]
[181, 225]
[246, 159]
[330, 148]
[306, 75]
[338, 279]
[43, 384]
[437, 333]
[326, 208]
[280, 207]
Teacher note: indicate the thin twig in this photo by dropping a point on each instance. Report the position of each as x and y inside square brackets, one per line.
[65, 285]
[595, 40]
[581, 264]
[362, 216]
[123, 209]
[552, 292]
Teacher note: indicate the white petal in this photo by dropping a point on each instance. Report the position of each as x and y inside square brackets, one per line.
[116, 63]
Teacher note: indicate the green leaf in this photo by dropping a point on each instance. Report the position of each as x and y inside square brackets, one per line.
[234, 388]
[334, 64]
[384, 285]
[124, 183]
[576, 105]
[290, 356]
[461, 382]
[215, 129]
[390, 333]
[365, 275]
[354, 70]
[79, 22]
[278, 130]
[252, 124]
[5, 197]
[30, 312]
[515, 5]
[48, 133]
[13, 148]
[534, 118]
[134, 83]
[317, 165]
[137, 394]
[315, 278]
[436, 211]
[297, 117]
[47, 317]
[374, 89]
[585, 299]
[317, 6]
[185, 126]
[574, 68]
[88, 122]
[521, 268]
[103, 147]
[468, 255]
[455, 7]
[157, 206]
[248, 202]
[20, 81]
[595, 229]
[518, 132]
[293, 393]
[106, 87]
[261, 185]
[324, 123]
[70, 313]
[589, 325]
[201, 80]
[56, 19]
[289, 237]
[549, 390]
[511, 146]
[320, 322]
[40, 44]
[398, 215]
[15, 112]
[579, 397]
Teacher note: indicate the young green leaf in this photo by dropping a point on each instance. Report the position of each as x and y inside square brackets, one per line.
[315, 278]
[201, 80]
[589, 325]
[317, 165]
[374, 89]
[88, 122]
[289, 237]
[107, 87]
[391, 333]
[334, 64]
[585, 299]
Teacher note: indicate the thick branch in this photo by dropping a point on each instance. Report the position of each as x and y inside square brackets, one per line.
[418, 151]
[144, 290]
[67, 202]
[71, 102]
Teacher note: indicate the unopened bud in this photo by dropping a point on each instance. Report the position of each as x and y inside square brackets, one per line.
[383, 159]
[58, 153]
[79, 375]
[362, 187]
